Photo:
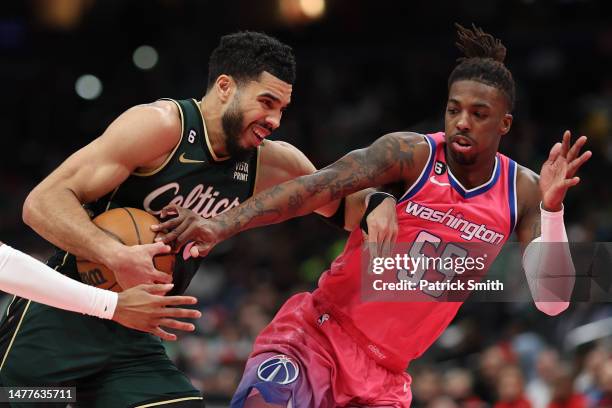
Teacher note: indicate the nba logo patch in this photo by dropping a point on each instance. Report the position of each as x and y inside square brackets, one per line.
[279, 369]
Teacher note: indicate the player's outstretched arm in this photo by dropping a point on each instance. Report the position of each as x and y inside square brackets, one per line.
[140, 136]
[280, 161]
[142, 307]
[546, 259]
[395, 157]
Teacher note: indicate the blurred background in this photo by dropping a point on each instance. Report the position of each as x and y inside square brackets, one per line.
[68, 67]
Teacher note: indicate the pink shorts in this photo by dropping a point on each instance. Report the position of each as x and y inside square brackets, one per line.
[304, 356]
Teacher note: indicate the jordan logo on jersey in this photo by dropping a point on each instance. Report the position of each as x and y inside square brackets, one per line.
[322, 319]
[241, 171]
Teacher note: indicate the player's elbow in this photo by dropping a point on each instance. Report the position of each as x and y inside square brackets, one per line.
[552, 308]
[31, 207]
[27, 212]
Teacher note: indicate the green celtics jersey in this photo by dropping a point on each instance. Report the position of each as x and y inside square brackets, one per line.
[192, 177]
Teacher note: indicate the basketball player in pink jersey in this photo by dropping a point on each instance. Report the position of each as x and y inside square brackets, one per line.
[329, 348]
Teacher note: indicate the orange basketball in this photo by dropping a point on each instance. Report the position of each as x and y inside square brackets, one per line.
[130, 226]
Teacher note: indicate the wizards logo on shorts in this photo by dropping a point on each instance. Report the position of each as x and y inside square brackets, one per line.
[280, 369]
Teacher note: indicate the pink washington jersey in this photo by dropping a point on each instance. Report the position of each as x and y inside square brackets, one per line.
[436, 215]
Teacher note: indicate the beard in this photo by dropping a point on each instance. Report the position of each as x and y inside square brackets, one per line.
[463, 159]
[231, 121]
[459, 158]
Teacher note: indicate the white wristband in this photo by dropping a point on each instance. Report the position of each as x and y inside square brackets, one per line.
[553, 228]
[103, 304]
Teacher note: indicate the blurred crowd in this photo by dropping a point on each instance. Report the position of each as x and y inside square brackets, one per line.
[354, 84]
[498, 379]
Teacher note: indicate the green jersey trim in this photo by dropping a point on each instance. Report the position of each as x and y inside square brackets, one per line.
[171, 155]
[208, 145]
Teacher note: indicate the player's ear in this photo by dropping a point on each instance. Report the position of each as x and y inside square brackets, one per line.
[506, 124]
[224, 87]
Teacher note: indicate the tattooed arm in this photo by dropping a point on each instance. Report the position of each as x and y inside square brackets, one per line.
[395, 157]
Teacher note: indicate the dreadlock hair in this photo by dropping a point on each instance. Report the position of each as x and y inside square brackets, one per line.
[483, 62]
[245, 55]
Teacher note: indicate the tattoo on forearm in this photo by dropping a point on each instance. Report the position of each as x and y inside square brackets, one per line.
[295, 202]
[389, 159]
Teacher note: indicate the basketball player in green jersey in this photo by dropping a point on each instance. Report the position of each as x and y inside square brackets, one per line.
[208, 156]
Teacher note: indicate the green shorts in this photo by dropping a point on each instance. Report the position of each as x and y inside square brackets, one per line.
[110, 365]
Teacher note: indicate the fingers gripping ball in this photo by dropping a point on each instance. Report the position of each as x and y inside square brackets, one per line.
[130, 226]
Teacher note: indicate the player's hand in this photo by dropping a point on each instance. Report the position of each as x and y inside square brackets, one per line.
[558, 172]
[184, 226]
[382, 228]
[133, 265]
[145, 308]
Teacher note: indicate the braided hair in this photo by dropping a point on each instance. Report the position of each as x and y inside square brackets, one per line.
[483, 62]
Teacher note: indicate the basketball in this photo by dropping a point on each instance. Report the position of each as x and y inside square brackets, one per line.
[130, 226]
